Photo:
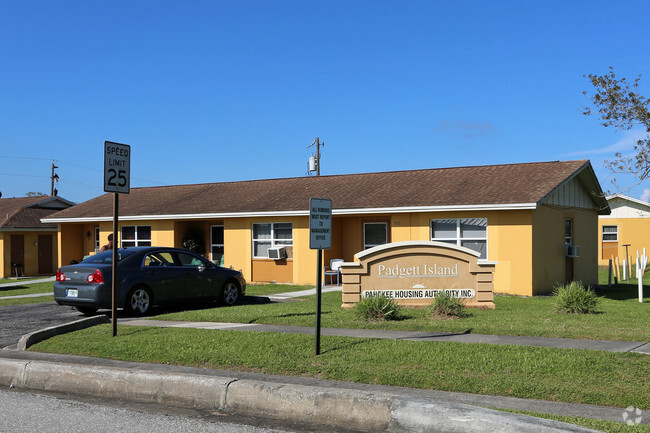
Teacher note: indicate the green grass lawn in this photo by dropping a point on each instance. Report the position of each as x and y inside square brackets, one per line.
[14, 280]
[579, 376]
[25, 301]
[26, 289]
[603, 277]
[596, 424]
[272, 289]
[620, 317]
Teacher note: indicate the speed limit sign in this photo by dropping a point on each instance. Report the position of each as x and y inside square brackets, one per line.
[117, 167]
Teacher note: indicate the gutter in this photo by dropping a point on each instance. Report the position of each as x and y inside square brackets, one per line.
[357, 211]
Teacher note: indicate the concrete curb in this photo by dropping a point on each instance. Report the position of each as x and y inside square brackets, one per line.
[345, 408]
[32, 338]
[424, 416]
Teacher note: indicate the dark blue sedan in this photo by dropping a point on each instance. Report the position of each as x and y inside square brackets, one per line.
[147, 276]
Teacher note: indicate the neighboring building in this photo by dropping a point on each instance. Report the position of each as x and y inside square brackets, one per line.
[28, 246]
[628, 224]
[519, 215]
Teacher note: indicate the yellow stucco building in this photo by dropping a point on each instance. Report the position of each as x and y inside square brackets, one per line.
[526, 217]
[28, 247]
[628, 224]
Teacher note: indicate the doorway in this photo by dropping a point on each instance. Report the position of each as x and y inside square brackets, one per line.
[44, 254]
[17, 254]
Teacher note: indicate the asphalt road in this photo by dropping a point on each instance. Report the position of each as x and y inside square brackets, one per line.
[28, 413]
[17, 320]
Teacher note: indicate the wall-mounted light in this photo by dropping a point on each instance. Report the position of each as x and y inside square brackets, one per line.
[35, 243]
[88, 234]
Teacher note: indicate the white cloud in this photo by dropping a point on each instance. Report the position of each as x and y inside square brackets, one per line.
[646, 195]
[626, 143]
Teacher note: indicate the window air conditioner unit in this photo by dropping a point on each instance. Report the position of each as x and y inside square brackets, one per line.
[277, 253]
[572, 250]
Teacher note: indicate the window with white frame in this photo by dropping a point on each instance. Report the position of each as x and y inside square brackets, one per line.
[270, 235]
[465, 232]
[216, 244]
[97, 247]
[610, 233]
[136, 236]
[374, 234]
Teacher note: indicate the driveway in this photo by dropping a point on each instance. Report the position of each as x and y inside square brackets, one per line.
[17, 320]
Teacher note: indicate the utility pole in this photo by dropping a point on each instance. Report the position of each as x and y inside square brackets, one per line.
[53, 178]
[318, 146]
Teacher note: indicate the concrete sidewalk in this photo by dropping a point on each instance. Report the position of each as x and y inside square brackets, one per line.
[308, 292]
[22, 282]
[560, 343]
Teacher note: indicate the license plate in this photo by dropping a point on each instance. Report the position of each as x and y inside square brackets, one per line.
[72, 293]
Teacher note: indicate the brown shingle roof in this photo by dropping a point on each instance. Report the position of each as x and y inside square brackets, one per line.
[461, 186]
[25, 212]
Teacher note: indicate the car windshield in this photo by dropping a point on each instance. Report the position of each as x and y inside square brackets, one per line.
[106, 258]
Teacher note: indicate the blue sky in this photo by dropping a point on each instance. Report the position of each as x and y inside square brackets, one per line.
[212, 91]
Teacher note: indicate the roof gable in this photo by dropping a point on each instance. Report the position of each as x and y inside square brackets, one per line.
[481, 187]
[27, 212]
[580, 190]
[627, 207]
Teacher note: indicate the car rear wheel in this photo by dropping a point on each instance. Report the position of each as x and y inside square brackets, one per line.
[230, 294]
[87, 311]
[138, 303]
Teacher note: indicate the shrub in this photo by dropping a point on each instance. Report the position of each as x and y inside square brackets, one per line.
[377, 308]
[575, 298]
[444, 306]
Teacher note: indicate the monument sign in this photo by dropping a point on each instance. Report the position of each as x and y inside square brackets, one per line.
[415, 272]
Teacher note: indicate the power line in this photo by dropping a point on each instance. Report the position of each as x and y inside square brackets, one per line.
[25, 157]
[153, 182]
[98, 187]
[22, 175]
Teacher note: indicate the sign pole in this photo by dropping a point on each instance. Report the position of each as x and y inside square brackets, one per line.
[628, 266]
[320, 238]
[117, 179]
[114, 287]
[318, 298]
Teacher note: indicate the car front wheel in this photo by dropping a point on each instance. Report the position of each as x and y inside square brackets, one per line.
[230, 295]
[138, 303]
